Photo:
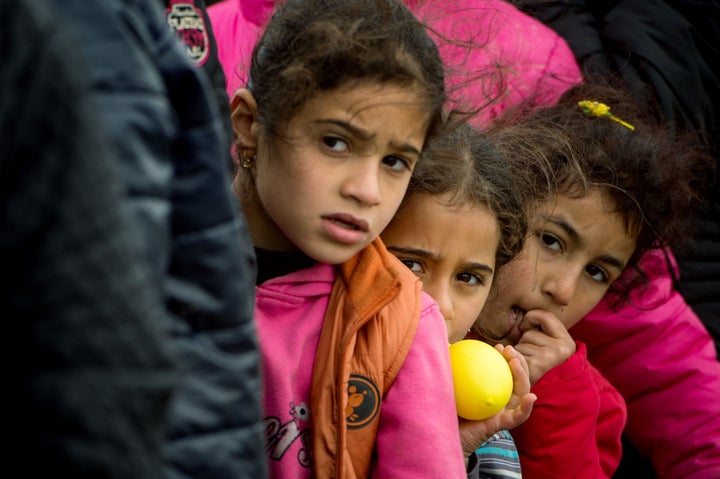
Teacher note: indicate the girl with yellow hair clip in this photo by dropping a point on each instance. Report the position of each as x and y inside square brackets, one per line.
[621, 188]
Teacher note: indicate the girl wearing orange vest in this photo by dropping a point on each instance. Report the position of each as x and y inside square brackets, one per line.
[341, 98]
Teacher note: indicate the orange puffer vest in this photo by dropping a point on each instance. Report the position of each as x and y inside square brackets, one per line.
[369, 326]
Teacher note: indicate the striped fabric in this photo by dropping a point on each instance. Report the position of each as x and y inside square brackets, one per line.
[497, 458]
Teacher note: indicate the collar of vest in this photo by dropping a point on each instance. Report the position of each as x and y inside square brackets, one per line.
[376, 277]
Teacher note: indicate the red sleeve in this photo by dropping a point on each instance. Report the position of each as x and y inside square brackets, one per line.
[575, 427]
[611, 421]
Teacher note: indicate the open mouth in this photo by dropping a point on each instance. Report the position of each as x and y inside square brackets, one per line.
[345, 228]
[517, 314]
[349, 226]
[348, 221]
[517, 318]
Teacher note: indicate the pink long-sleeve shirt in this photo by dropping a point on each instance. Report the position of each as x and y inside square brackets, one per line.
[418, 434]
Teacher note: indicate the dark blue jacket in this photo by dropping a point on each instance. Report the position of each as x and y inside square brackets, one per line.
[87, 376]
[170, 142]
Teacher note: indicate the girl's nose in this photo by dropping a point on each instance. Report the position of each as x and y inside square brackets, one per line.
[560, 285]
[442, 296]
[363, 183]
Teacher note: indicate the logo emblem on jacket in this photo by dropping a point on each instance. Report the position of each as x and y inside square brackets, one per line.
[188, 23]
[363, 402]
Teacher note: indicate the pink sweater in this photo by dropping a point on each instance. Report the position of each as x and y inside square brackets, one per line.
[418, 432]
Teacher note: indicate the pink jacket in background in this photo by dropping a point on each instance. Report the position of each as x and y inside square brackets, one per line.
[487, 43]
[237, 25]
[663, 362]
[504, 43]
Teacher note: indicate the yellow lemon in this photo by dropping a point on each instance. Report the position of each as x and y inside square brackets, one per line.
[482, 379]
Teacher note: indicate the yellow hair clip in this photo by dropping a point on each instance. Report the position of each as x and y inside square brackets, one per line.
[594, 108]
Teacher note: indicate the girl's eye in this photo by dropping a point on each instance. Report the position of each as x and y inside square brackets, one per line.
[550, 241]
[335, 144]
[397, 163]
[596, 273]
[415, 266]
[470, 278]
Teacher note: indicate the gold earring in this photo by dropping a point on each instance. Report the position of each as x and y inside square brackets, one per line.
[247, 163]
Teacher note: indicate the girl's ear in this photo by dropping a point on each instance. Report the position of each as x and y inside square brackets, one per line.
[244, 111]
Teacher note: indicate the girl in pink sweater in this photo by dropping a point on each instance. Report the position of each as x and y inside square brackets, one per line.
[341, 97]
[463, 217]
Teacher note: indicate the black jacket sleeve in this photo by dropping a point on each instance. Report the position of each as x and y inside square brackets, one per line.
[88, 371]
[166, 130]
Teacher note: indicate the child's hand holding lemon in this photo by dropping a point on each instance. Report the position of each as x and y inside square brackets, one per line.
[482, 379]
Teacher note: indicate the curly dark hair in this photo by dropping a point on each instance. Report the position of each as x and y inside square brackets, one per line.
[654, 175]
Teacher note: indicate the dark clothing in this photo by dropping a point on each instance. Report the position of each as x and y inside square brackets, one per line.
[166, 130]
[90, 377]
[273, 264]
[667, 52]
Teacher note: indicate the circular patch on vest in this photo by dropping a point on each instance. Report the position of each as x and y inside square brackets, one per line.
[363, 402]
[188, 23]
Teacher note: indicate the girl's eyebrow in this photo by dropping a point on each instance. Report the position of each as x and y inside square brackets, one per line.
[364, 135]
[421, 253]
[413, 251]
[355, 131]
[480, 267]
[564, 225]
[612, 261]
[575, 236]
